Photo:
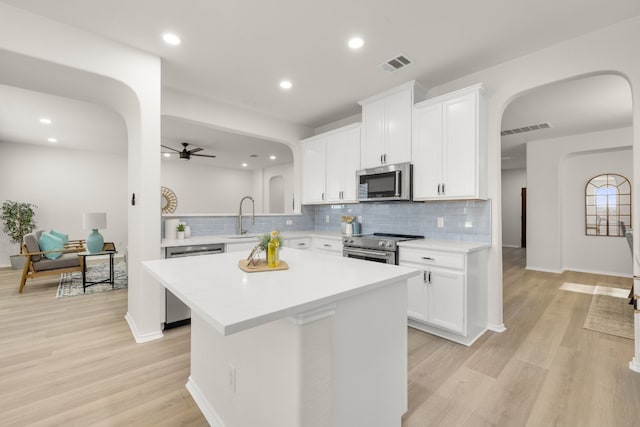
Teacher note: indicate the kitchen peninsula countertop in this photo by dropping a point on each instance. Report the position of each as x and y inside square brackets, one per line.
[445, 245]
[214, 239]
[231, 300]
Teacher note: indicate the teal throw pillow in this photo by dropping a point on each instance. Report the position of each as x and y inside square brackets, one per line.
[49, 242]
[61, 236]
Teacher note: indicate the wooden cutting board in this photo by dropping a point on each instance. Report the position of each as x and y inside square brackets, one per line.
[262, 266]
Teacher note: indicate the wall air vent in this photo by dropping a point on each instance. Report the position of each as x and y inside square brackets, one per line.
[525, 129]
[396, 63]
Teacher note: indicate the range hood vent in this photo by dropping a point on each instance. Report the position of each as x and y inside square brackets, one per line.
[525, 129]
[397, 63]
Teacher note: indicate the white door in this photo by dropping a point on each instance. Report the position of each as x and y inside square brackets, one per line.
[460, 146]
[373, 129]
[398, 108]
[313, 170]
[446, 299]
[417, 298]
[427, 152]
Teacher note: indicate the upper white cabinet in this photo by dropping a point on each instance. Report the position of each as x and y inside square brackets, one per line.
[329, 165]
[449, 146]
[386, 125]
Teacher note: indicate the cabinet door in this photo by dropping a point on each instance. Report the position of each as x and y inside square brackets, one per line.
[313, 170]
[417, 298]
[373, 129]
[397, 144]
[427, 152]
[460, 146]
[351, 163]
[446, 299]
[335, 166]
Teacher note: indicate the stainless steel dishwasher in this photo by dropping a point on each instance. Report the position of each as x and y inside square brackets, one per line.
[177, 312]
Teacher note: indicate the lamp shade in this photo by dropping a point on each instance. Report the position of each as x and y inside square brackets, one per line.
[94, 220]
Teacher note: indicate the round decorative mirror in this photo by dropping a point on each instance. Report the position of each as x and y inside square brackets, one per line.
[169, 201]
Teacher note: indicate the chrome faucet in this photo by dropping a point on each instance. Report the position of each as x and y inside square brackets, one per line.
[253, 214]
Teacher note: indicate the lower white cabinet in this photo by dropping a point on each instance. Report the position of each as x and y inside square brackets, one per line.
[449, 298]
[327, 245]
[297, 243]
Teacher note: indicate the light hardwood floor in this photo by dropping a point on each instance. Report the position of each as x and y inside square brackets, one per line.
[73, 362]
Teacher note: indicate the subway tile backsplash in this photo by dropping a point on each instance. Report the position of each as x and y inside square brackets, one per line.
[463, 220]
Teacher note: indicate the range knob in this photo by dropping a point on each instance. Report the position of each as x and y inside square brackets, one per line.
[388, 243]
[381, 243]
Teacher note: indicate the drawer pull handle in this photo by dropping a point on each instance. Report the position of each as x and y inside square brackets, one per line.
[301, 244]
[428, 258]
[326, 245]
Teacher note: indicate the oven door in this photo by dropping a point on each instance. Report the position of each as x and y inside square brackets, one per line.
[385, 257]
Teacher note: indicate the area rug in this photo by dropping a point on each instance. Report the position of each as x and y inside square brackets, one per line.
[71, 283]
[610, 315]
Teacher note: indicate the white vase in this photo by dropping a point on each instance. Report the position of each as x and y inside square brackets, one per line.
[187, 231]
[180, 235]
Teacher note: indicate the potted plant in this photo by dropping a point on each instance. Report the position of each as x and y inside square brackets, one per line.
[180, 230]
[17, 220]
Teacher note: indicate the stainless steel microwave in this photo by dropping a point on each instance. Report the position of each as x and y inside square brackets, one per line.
[388, 182]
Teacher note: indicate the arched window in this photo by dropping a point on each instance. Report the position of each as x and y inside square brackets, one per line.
[607, 205]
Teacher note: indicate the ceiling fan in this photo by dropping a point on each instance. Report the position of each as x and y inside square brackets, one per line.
[186, 154]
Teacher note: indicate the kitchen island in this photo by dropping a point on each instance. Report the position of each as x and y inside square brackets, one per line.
[323, 343]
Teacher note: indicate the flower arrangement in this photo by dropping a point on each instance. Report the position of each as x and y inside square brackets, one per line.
[264, 240]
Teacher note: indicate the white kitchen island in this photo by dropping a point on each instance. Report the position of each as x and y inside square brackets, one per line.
[321, 344]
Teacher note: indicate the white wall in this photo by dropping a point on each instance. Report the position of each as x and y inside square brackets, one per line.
[548, 199]
[594, 254]
[513, 181]
[64, 184]
[206, 189]
[286, 171]
[609, 50]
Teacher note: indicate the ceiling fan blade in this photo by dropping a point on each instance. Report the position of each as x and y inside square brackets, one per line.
[173, 149]
[195, 150]
[203, 155]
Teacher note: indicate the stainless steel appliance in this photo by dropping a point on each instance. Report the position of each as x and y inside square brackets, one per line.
[388, 182]
[377, 247]
[176, 312]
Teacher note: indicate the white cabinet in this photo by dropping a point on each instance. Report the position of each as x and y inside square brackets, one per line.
[297, 242]
[449, 146]
[244, 246]
[386, 125]
[327, 245]
[329, 165]
[449, 298]
[314, 155]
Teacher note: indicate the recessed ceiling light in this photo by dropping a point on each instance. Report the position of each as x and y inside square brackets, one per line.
[272, 157]
[286, 84]
[167, 154]
[52, 140]
[45, 121]
[356, 43]
[244, 165]
[171, 39]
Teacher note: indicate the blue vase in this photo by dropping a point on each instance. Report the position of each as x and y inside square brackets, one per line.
[95, 242]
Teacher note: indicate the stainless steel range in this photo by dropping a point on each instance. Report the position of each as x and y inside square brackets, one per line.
[378, 247]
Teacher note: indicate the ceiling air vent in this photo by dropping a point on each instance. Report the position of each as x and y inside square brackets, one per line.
[396, 63]
[525, 129]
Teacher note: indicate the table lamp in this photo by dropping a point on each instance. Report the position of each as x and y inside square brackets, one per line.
[94, 221]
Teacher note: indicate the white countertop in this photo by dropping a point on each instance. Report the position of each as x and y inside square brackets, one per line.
[445, 245]
[230, 239]
[232, 300]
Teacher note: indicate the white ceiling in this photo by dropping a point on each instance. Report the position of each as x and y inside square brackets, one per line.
[578, 106]
[238, 51]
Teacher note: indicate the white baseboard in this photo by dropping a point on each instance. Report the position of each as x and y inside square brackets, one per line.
[603, 272]
[634, 365]
[544, 270]
[207, 410]
[497, 328]
[511, 246]
[139, 337]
